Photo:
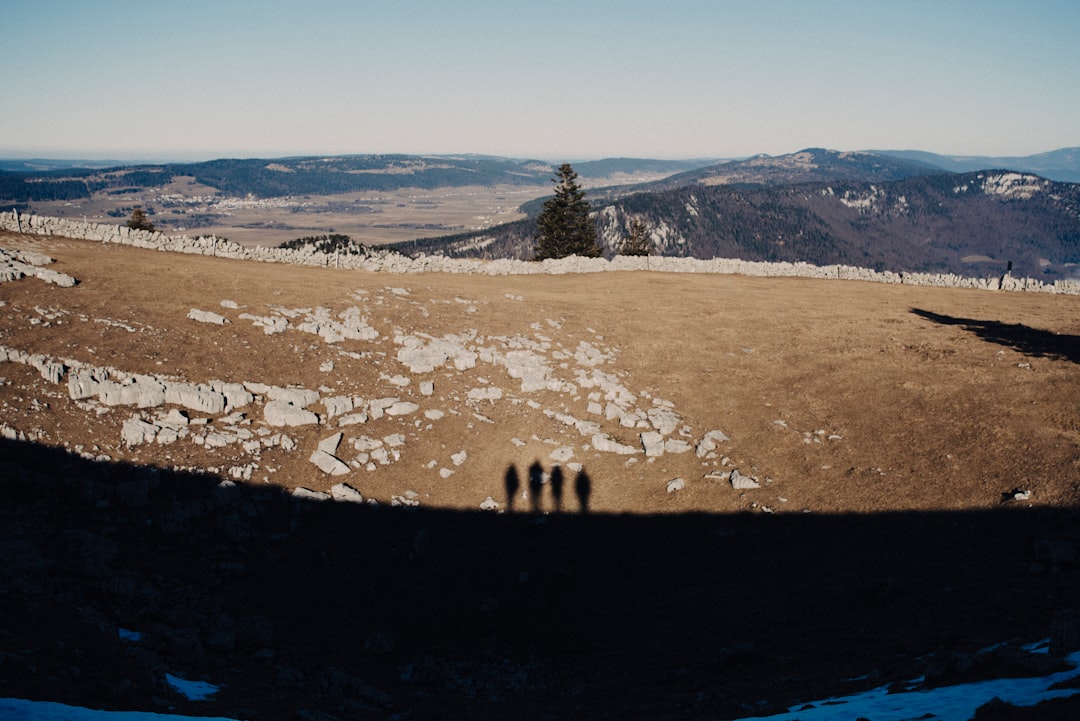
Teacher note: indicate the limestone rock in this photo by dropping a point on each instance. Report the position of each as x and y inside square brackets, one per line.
[345, 492]
[675, 484]
[402, 408]
[136, 431]
[310, 495]
[280, 413]
[330, 443]
[328, 463]
[652, 443]
[676, 445]
[489, 393]
[663, 419]
[708, 442]
[299, 397]
[338, 405]
[206, 316]
[197, 397]
[742, 483]
[606, 444]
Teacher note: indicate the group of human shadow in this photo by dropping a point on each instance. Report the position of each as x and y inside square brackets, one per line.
[535, 482]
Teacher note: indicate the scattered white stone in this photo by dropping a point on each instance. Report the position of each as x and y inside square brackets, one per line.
[353, 419]
[206, 316]
[230, 304]
[445, 473]
[708, 442]
[489, 504]
[459, 457]
[488, 393]
[345, 492]
[337, 405]
[328, 463]
[742, 483]
[136, 431]
[364, 444]
[402, 408]
[652, 443]
[310, 495]
[326, 366]
[675, 484]
[606, 444]
[427, 388]
[299, 397]
[433, 414]
[280, 413]
[675, 445]
[663, 419]
[270, 324]
[330, 443]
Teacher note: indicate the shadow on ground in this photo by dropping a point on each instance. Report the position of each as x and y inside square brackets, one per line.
[1021, 338]
[114, 575]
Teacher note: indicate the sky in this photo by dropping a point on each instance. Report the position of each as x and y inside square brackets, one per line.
[546, 79]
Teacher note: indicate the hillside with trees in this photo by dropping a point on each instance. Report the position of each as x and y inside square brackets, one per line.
[974, 224]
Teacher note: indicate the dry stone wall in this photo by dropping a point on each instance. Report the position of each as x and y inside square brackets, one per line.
[391, 262]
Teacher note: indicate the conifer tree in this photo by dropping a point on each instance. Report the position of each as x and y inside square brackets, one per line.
[564, 227]
[139, 220]
[638, 242]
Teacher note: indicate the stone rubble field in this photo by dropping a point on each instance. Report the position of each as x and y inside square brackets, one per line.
[432, 388]
[378, 397]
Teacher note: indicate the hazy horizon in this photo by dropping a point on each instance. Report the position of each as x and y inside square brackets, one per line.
[130, 81]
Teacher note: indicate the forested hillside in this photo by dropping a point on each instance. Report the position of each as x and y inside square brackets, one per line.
[974, 224]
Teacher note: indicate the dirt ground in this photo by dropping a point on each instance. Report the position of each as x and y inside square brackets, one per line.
[848, 397]
[890, 429]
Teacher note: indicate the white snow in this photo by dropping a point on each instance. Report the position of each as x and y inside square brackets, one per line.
[192, 690]
[948, 703]
[13, 709]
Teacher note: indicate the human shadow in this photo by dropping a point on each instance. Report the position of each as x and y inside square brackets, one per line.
[556, 481]
[511, 483]
[1032, 342]
[113, 575]
[536, 486]
[583, 489]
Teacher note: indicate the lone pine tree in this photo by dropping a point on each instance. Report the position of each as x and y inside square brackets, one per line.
[638, 242]
[564, 227]
[139, 220]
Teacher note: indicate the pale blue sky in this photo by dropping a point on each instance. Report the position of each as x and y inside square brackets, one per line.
[551, 79]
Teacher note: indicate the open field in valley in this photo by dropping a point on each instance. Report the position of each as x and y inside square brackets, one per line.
[372, 218]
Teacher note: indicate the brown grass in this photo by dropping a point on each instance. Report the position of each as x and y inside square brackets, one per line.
[926, 407]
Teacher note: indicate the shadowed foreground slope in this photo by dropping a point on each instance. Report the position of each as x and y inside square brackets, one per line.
[365, 612]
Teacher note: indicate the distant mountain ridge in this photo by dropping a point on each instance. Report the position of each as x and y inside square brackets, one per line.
[1062, 164]
[973, 224]
[329, 175]
[888, 210]
[805, 166]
